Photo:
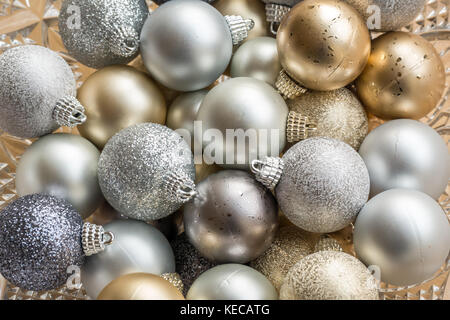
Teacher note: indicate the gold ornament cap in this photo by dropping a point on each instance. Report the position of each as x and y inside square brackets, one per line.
[274, 14]
[298, 127]
[175, 280]
[288, 87]
[239, 28]
[94, 238]
[268, 171]
[69, 112]
[180, 186]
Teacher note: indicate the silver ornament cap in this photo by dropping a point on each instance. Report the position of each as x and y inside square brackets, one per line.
[124, 41]
[94, 238]
[268, 171]
[274, 14]
[180, 186]
[288, 87]
[239, 28]
[69, 112]
[298, 127]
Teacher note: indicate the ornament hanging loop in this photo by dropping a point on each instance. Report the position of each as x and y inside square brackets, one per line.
[69, 112]
[180, 186]
[239, 28]
[94, 238]
[268, 171]
[274, 15]
[298, 127]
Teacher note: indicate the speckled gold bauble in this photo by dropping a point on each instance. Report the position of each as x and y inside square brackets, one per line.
[117, 97]
[338, 114]
[290, 245]
[326, 243]
[329, 275]
[140, 286]
[404, 77]
[174, 279]
[323, 44]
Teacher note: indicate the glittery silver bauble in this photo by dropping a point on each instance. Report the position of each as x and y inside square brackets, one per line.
[99, 33]
[233, 218]
[338, 114]
[250, 105]
[403, 233]
[142, 168]
[232, 282]
[406, 154]
[329, 275]
[33, 81]
[323, 186]
[257, 58]
[137, 247]
[40, 237]
[62, 165]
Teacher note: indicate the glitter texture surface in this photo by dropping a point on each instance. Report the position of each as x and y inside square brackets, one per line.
[134, 166]
[33, 79]
[40, 236]
[289, 3]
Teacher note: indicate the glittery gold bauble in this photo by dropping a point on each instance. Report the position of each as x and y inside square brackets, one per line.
[174, 279]
[338, 114]
[117, 97]
[323, 44]
[329, 275]
[140, 286]
[290, 245]
[404, 77]
[326, 243]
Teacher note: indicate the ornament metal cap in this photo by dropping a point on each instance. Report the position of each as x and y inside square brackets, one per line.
[274, 15]
[327, 243]
[239, 28]
[174, 279]
[124, 41]
[268, 171]
[94, 238]
[288, 87]
[180, 186]
[69, 112]
[298, 127]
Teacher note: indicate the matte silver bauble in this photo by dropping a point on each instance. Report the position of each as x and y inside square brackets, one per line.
[406, 154]
[137, 247]
[403, 233]
[232, 219]
[232, 282]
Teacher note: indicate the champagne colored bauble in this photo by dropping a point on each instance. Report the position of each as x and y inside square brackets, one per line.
[140, 286]
[404, 233]
[404, 78]
[117, 97]
[232, 219]
[40, 237]
[257, 58]
[290, 245]
[327, 243]
[323, 44]
[243, 103]
[329, 275]
[338, 114]
[406, 154]
[232, 282]
[393, 14]
[142, 170]
[62, 165]
[137, 247]
[99, 33]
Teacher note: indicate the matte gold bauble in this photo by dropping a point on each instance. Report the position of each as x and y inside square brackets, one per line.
[323, 44]
[404, 77]
[140, 286]
[117, 97]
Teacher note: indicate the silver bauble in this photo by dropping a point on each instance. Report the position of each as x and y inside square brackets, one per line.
[406, 154]
[257, 58]
[246, 104]
[40, 237]
[329, 275]
[323, 186]
[232, 282]
[137, 169]
[232, 219]
[62, 165]
[405, 234]
[160, 2]
[137, 247]
[99, 33]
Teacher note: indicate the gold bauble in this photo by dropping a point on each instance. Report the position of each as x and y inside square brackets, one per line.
[327, 243]
[175, 279]
[117, 97]
[337, 114]
[404, 77]
[323, 44]
[140, 286]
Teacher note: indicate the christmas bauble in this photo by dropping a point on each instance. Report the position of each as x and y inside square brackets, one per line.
[40, 237]
[329, 275]
[404, 78]
[99, 33]
[140, 286]
[404, 233]
[388, 15]
[236, 211]
[257, 58]
[327, 243]
[144, 171]
[236, 282]
[187, 45]
[203, 170]
[65, 166]
[137, 247]
[338, 114]
[406, 154]
[117, 97]
[37, 90]
[160, 2]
